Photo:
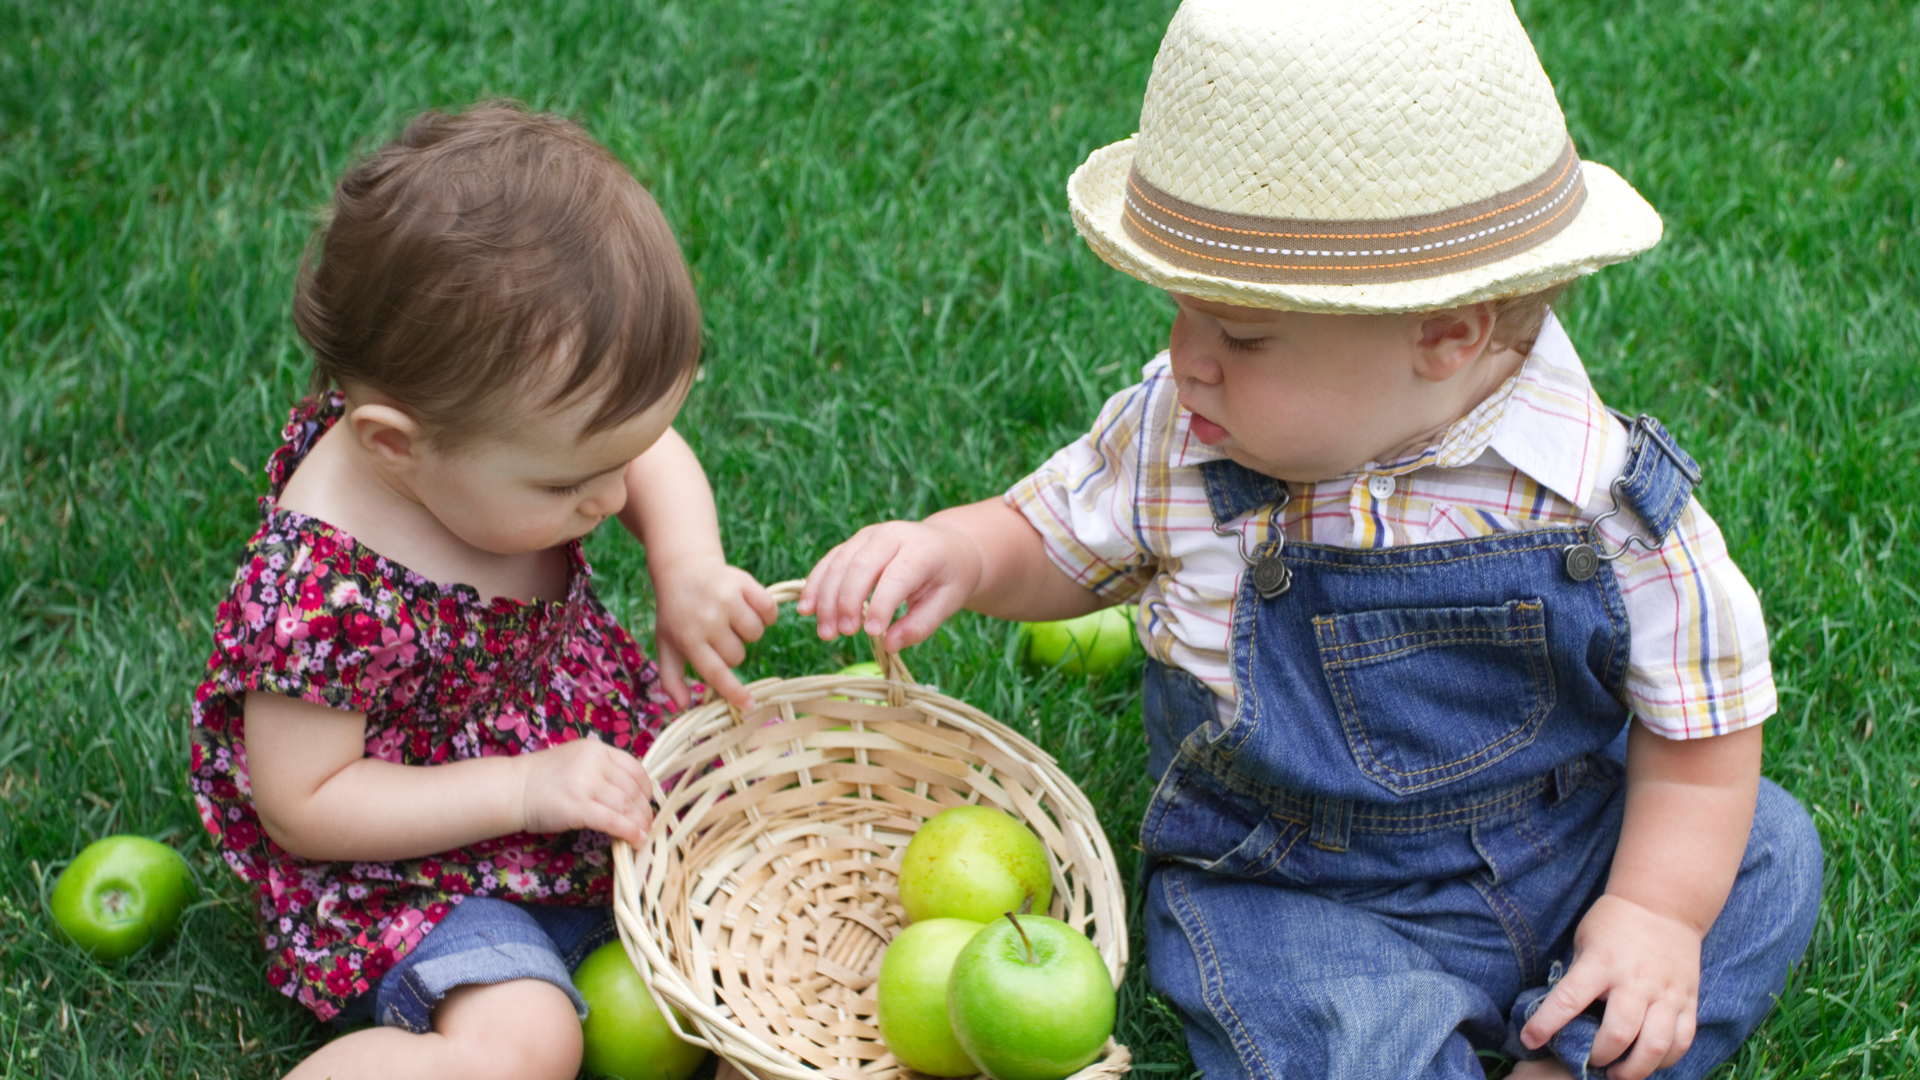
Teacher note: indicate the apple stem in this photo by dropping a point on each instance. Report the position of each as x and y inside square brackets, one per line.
[1023, 936]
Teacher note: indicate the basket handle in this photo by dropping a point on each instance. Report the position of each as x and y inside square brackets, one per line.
[892, 668]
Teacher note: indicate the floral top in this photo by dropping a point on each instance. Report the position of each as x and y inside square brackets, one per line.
[441, 676]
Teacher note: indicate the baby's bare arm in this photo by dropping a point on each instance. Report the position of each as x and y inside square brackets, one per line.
[321, 798]
[1689, 810]
[984, 556]
[705, 611]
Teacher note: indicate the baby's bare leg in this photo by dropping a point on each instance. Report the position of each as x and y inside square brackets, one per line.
[524, 1029]
[1543, 1069]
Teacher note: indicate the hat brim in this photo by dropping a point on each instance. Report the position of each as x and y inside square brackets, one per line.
[1614, 225]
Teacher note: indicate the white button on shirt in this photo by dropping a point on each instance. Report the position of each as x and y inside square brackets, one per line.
[1124, 512]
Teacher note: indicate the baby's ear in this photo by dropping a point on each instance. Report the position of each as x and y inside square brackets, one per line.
[389, 434]
[1451, 340]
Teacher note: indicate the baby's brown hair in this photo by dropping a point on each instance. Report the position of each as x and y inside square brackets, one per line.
[492, 254]
[1517, 319]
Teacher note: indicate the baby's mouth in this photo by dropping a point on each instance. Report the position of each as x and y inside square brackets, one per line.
[1206, 430]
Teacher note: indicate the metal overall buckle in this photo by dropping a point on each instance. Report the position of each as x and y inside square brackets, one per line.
[1583, 560]
[1271, 577]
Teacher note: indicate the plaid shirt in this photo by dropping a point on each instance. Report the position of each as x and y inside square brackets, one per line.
[1122, 510]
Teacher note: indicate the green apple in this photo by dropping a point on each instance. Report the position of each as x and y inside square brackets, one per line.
[626, 1036]
[1089, 645]
[1030, 999]
[913, 996]
[120, 893]
[973, 862]
[864, 669]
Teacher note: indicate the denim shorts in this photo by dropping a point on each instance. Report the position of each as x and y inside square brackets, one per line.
[484, 941]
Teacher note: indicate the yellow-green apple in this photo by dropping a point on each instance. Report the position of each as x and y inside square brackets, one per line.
[913, 996]
[973, 862]
[1089, 645]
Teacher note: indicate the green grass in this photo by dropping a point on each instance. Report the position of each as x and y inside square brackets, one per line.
[899, 317]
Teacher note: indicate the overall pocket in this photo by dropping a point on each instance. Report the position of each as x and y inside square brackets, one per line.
[1428, 696]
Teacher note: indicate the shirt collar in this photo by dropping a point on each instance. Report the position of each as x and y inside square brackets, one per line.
[1545, 421]
[1553, 427]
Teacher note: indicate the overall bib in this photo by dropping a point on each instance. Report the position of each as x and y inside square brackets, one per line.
[1375, 868]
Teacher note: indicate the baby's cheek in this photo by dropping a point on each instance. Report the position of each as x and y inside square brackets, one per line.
[518, 529]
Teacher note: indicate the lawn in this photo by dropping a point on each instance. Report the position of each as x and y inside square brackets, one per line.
[899, 317]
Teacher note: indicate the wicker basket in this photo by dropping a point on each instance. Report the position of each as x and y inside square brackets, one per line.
[764, 895]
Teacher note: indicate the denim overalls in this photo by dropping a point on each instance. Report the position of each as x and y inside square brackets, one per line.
[1376, 867]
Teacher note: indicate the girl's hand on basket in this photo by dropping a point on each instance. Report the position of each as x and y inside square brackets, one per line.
[705, 613]
[585, 784]
[931, 566]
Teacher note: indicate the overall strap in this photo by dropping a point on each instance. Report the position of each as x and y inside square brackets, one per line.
[1234, 491]
[1656, 484]
[1659, 477]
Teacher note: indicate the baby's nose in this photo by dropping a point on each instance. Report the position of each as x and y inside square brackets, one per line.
[1193, 363]
[605, 502]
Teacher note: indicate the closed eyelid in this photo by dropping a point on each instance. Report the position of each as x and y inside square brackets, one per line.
[1240, 344]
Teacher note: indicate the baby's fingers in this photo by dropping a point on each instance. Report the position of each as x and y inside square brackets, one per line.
[1651, 1049]
[617, 817]
[820, 596]
[1572, 994]
[760, 602]
[673, 670]
[925, 613]
[902, 579]
[719, 675]
[1624, 1022]
[1684, 1027]
[844, 588]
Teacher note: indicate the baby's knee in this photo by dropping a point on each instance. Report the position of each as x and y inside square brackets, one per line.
[524, 1029]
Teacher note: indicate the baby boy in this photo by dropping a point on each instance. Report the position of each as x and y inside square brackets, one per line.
[1454, 694]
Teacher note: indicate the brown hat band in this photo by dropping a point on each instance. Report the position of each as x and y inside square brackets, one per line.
[1300, 251]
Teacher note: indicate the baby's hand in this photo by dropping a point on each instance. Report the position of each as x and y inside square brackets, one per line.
[933, 568]
[705, 613]
[585, 784]
[1647, 967]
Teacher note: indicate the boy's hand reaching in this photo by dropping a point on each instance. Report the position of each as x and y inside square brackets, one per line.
[585, 784]
[1646, 966]
[705, 614]
[932, 567]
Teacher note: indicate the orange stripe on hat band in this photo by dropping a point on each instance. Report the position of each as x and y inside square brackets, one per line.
[1309, 252]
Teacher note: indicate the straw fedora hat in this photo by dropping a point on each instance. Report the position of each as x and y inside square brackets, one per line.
[1359, 156]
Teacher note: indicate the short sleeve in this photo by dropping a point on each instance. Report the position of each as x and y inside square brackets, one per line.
[1082, 501]
[301, 622]
[1698, 664]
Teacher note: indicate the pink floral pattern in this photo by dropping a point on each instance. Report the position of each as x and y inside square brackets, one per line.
[441, 676]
